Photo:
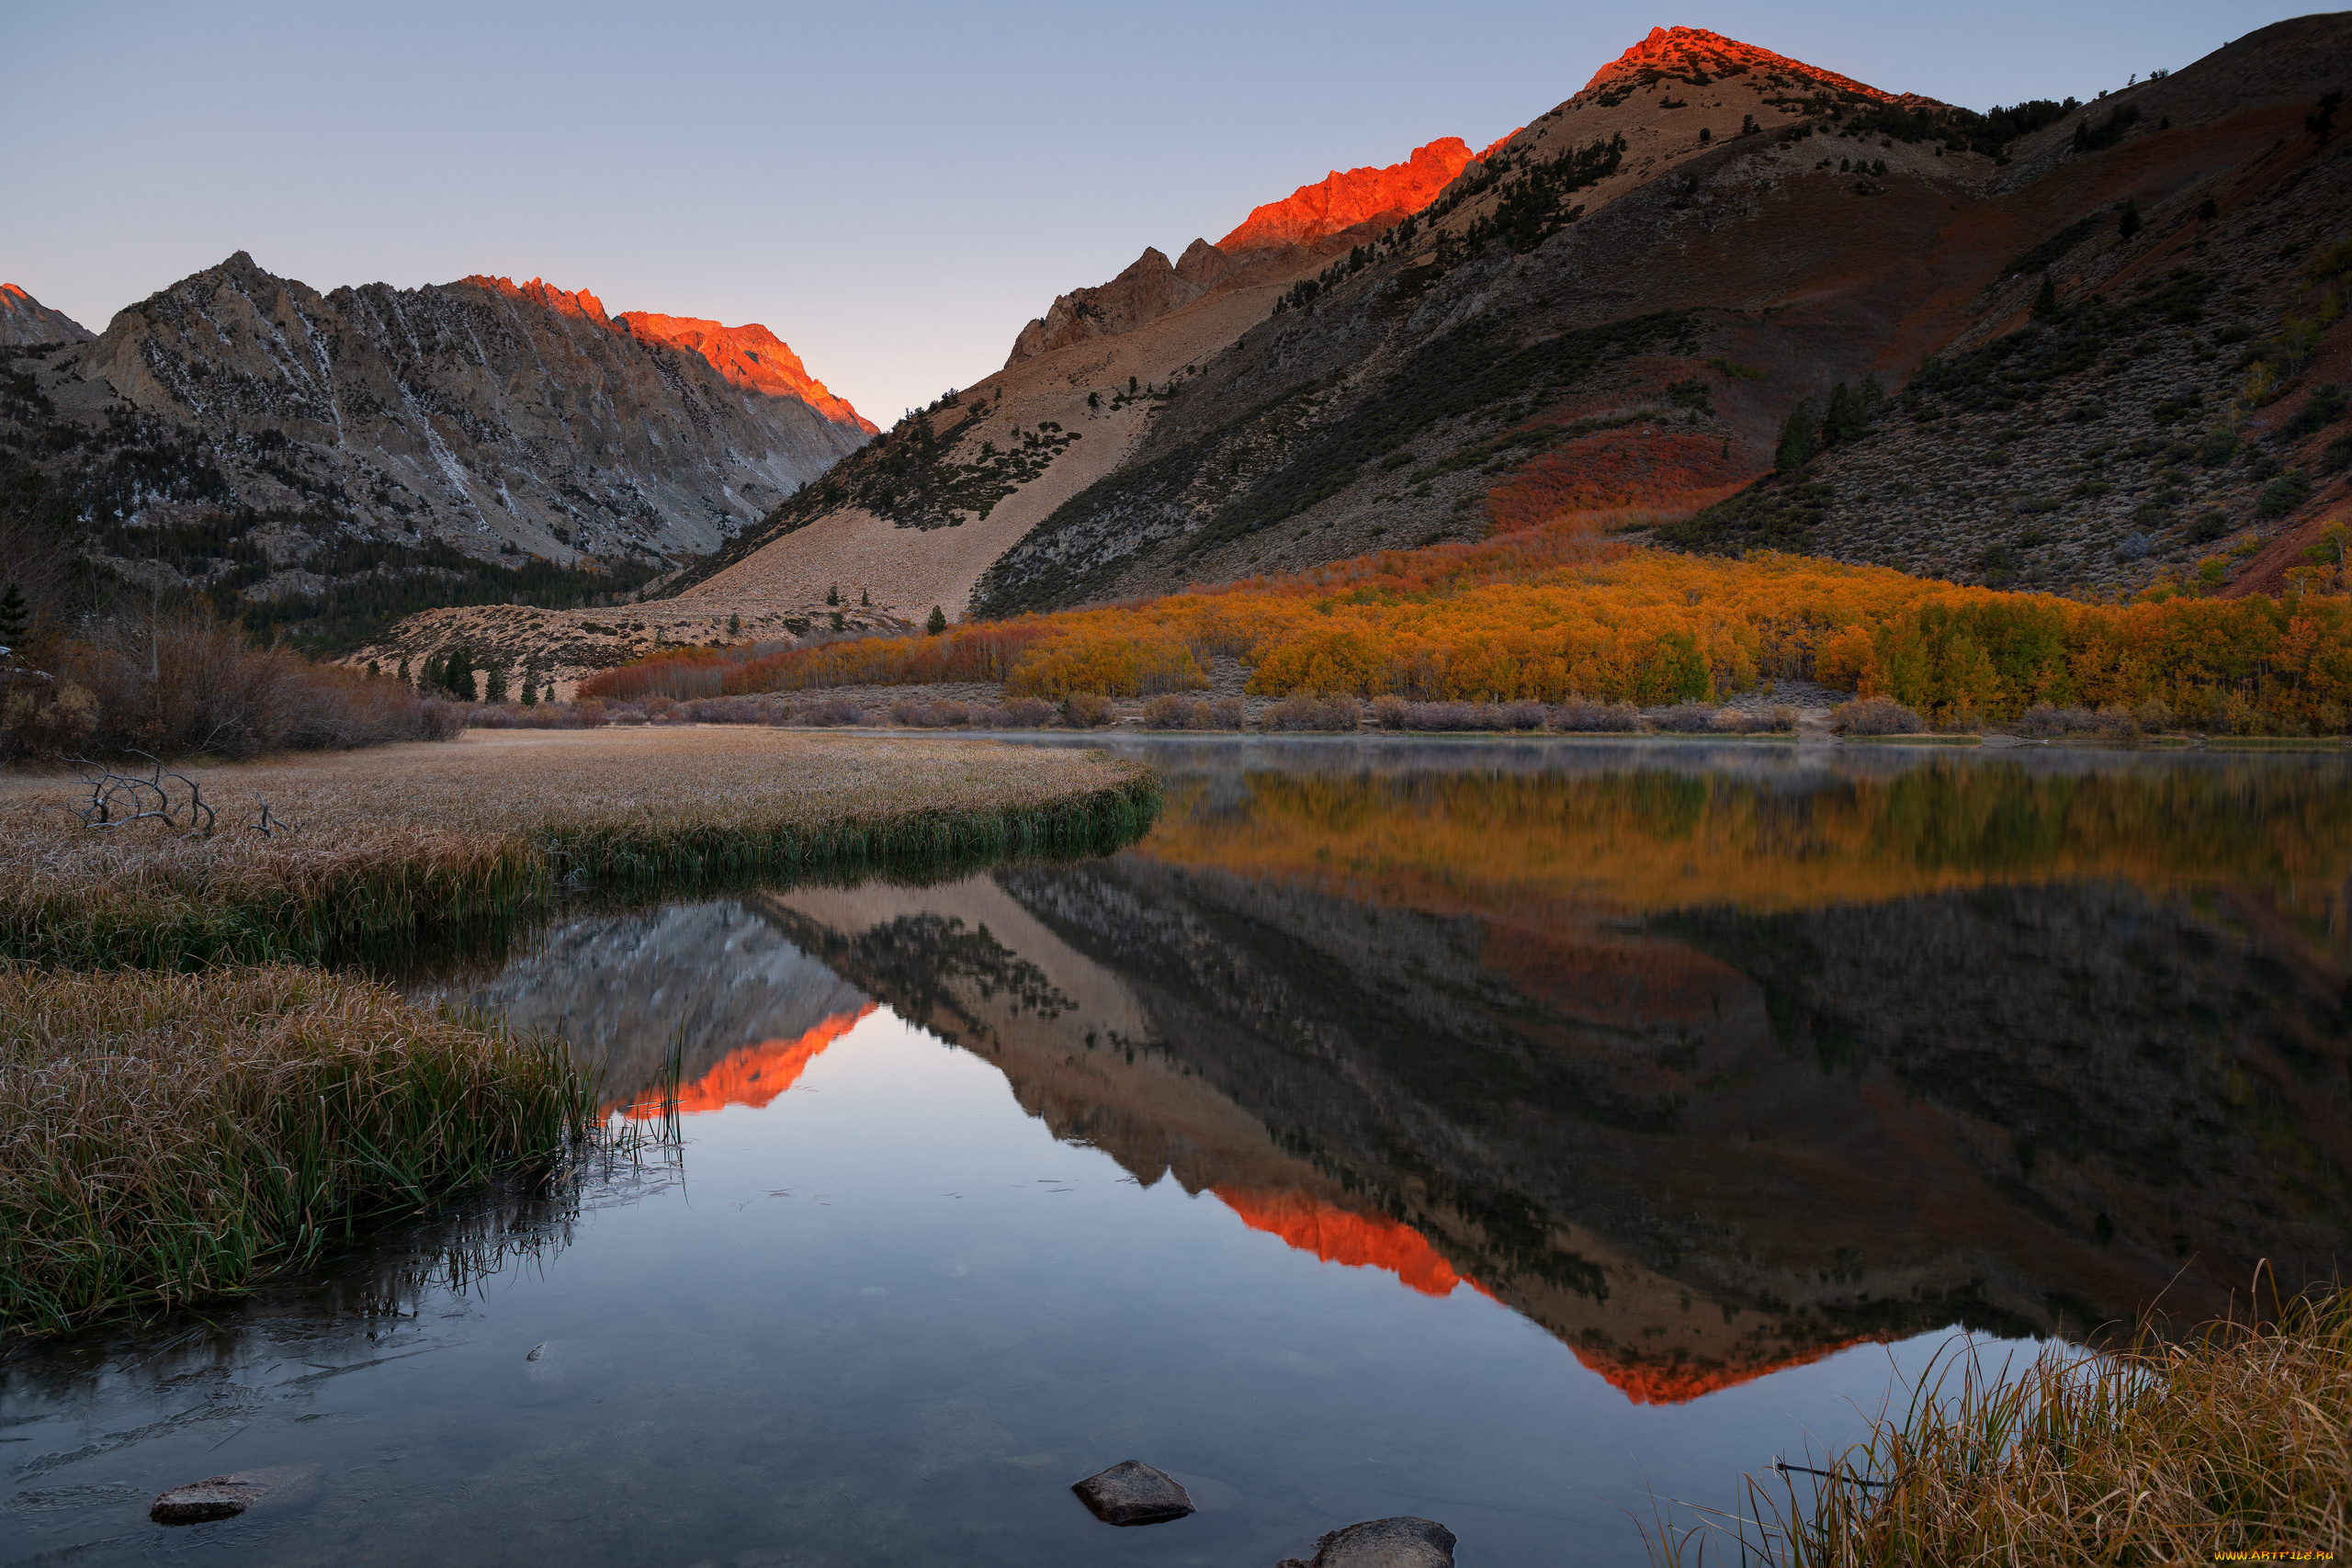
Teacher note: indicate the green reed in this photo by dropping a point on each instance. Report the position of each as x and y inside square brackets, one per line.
[167, 1137]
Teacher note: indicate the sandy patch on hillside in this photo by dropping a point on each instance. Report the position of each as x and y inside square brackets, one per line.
[910, 570]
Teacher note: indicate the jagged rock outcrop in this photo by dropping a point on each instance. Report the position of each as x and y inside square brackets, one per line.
[1291, 233]
[25, 319]
[1148, 289]
[1342, 201]
[500, 418]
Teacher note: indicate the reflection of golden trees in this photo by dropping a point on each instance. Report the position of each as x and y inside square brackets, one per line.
[1646, 841]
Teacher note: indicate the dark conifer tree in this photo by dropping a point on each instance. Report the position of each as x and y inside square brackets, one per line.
[1796, 449]
[938, 622]
[2046, 303]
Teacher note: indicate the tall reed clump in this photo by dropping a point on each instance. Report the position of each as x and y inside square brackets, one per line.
[2236, 1441]
[164, 1137]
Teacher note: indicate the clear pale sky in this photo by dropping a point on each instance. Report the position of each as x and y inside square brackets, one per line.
[894, 190]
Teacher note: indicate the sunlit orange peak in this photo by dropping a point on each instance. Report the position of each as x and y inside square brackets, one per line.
[750, 355]
[1341, 201]
[754, 1075]
[1682, 52]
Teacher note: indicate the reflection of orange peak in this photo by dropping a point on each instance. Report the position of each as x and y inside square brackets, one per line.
[1340, 201]
[1653, 1382]
[1341, 1236]
[756, 1074]
[751, 356]
[1679, 51]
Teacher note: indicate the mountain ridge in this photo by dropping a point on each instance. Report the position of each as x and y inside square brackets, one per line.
[25, 320]
[294, 455]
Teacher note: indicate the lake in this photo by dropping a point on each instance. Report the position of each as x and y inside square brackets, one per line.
[1513, 1133]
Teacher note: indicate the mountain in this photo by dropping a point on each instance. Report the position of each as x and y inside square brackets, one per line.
[25, 319]
[307, 455]
[1078, 392]
[1611, 316]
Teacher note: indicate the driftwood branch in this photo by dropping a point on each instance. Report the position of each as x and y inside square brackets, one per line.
[117, 800]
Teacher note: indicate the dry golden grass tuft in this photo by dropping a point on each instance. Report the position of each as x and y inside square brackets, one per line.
[402, 841]
[167, 1137]
[2238, 1441]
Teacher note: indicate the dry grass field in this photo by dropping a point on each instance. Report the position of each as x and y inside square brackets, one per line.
[403, 840]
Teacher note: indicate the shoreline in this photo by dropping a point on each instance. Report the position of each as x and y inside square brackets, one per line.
[401, 843]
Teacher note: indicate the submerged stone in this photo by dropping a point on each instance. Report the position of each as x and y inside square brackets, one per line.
[1132, 1493]
[199, 1502]
[1404, 1542]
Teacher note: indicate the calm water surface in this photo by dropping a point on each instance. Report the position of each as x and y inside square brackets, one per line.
[1505, 1134]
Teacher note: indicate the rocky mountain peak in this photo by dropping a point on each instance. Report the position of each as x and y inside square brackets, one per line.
[1696, 58]
[25, 319]
[750, 355]
[578, 303]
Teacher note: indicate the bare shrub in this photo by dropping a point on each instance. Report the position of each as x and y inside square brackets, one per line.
[1172, 712]
[1874, 715]
[1392, 712]
[1021, 713]
[1780, 718]
[1685, 718]
[1227, 712]
[1522, 716]
[1086, 710]
[726, 710]
[1580, 715]
[1303, 710]
[828, 712]
[931, 715]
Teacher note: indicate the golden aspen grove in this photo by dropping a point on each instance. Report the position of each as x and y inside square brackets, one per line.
[1553, 611]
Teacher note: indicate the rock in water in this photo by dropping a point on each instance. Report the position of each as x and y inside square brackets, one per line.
[1404, 1541]
[1132, 1493]
[215, 1498]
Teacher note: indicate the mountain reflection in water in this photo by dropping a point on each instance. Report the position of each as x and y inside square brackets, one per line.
[1710, 1061]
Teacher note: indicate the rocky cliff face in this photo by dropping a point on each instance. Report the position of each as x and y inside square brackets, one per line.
[1339, 202]
[500, 418]
[751, 356]
[25, 319]
[1277, 240]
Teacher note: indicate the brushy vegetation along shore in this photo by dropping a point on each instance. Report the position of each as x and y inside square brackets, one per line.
[164, 1137]
[176, 686]
[410, 841]
[1555, 613]
[2237, 1441]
